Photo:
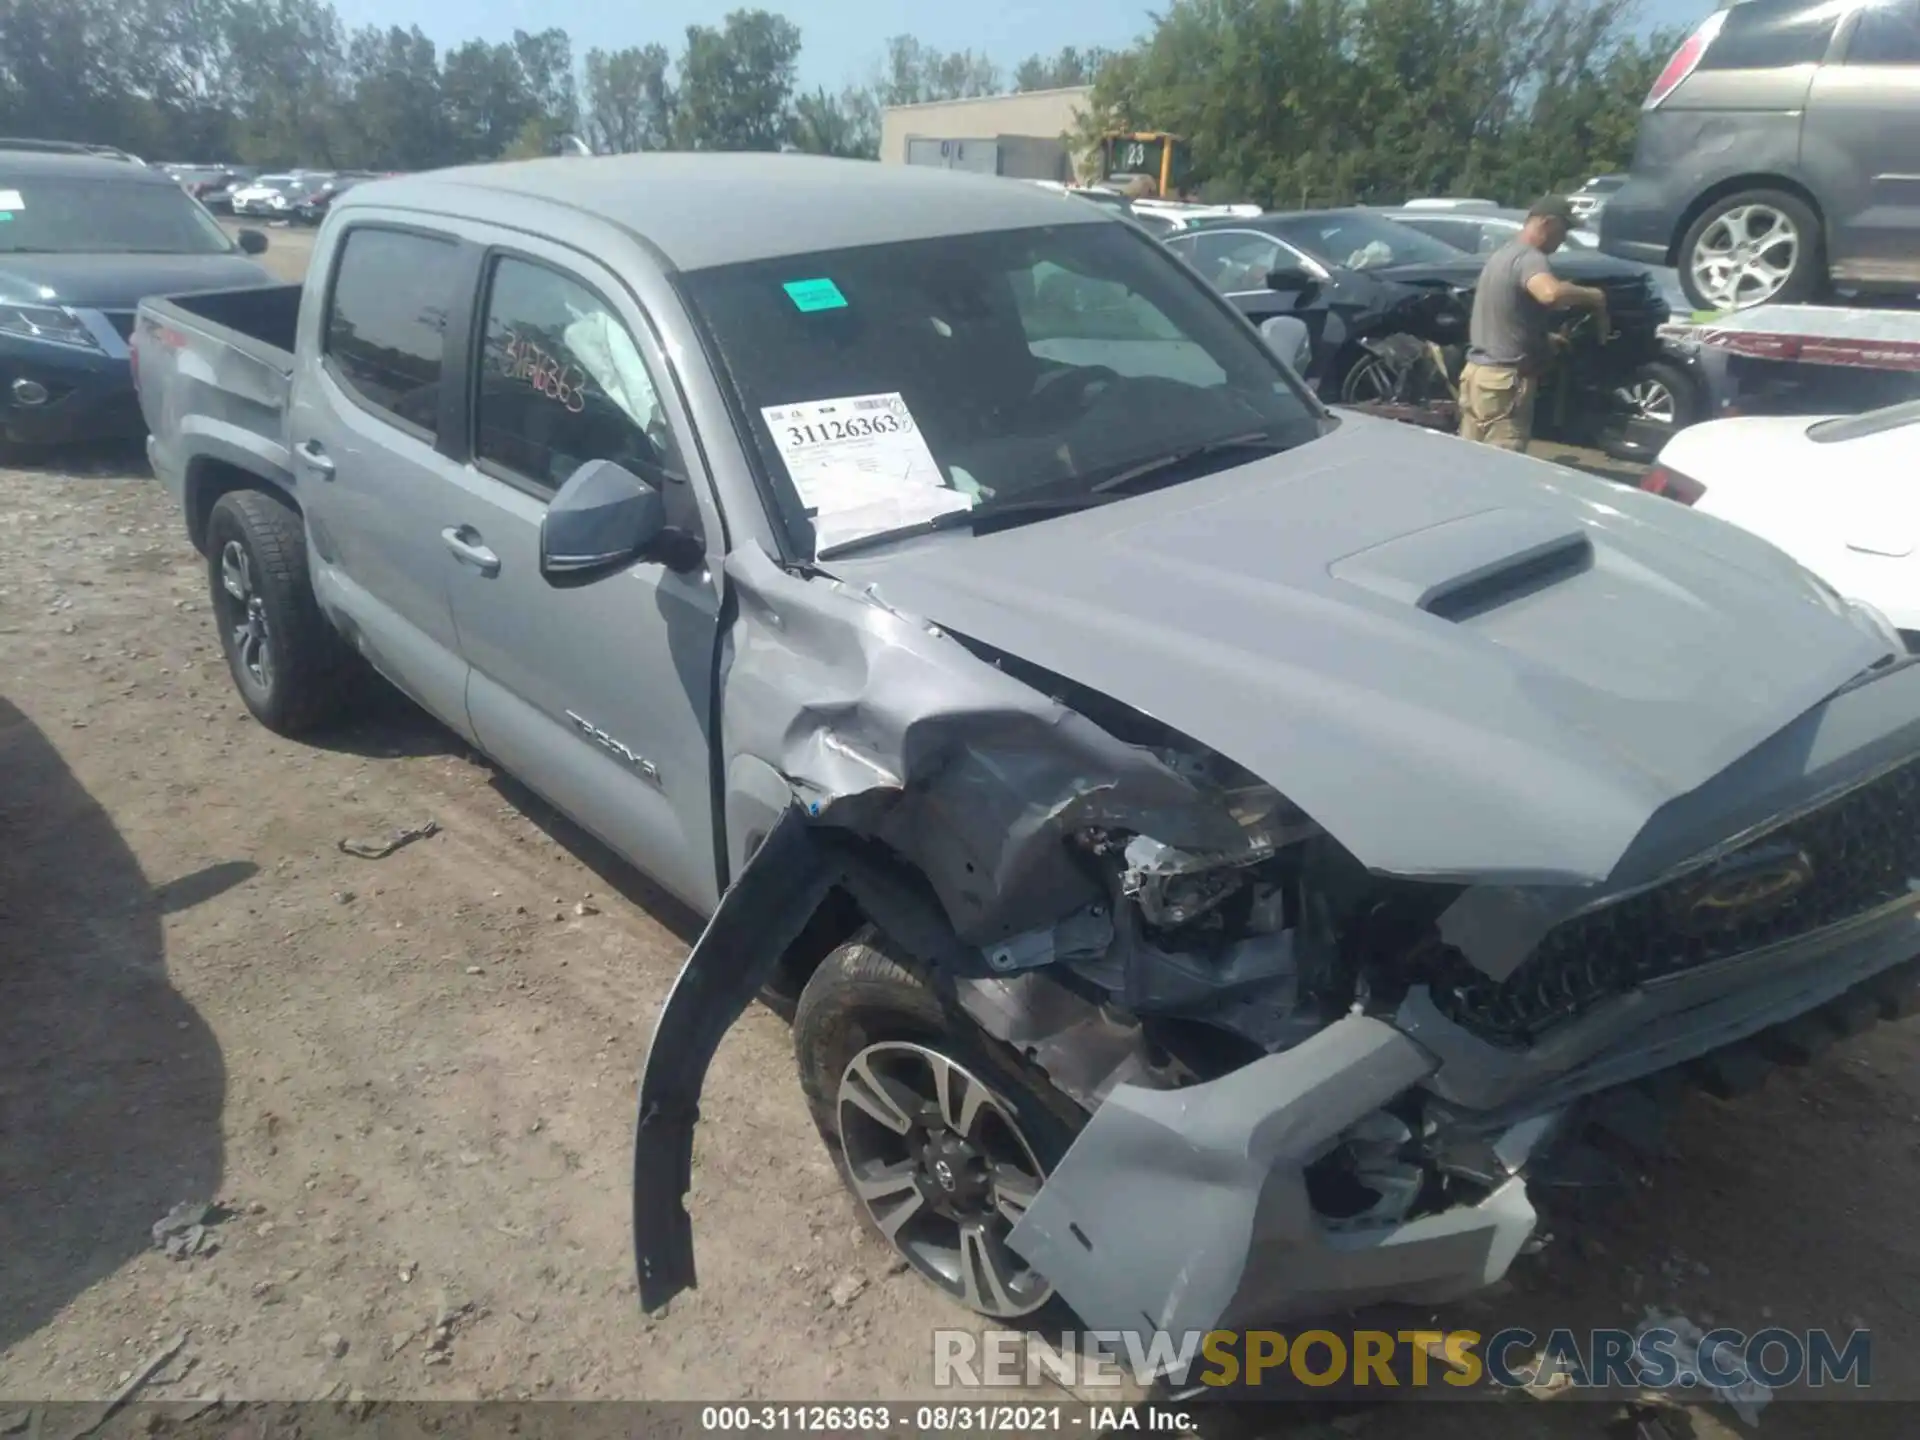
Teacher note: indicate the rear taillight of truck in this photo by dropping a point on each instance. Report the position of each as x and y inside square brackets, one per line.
[1685, 59]
[1661, 480]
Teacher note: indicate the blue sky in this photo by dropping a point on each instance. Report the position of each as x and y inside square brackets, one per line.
[842, 40]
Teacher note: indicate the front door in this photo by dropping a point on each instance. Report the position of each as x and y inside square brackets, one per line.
[1861, 145]
[596, 695]
[365, 427]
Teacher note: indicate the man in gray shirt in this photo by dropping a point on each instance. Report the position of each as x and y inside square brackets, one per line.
[1508, 341]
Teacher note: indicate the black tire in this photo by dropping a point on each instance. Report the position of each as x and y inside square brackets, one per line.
[1689, 404]
[1807, 280]
[865, 995]
[306, 677]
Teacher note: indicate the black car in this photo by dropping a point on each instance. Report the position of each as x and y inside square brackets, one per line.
[1375, 295]
[82, 242]
[311, 207]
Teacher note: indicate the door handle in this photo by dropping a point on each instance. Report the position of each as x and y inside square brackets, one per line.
[464, 542]
[309, 454]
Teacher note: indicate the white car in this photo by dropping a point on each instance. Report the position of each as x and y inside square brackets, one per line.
[1837, 493]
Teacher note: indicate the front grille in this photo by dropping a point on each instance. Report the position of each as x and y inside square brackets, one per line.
[122, 322]
[1853, 854]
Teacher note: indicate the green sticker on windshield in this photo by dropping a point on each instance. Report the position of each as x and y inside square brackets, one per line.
[810, 295]
[6, 214]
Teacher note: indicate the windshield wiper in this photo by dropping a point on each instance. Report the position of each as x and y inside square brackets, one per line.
[989, 517]
[1259, 441]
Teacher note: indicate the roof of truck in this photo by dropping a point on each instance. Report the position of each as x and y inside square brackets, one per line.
[710, 209]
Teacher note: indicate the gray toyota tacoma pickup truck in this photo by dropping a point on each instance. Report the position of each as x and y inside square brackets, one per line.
[1217, 851]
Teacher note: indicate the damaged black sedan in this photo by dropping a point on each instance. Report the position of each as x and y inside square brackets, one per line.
[1216, 850]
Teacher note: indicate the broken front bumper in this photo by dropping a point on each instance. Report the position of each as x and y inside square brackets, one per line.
[1187, 1210]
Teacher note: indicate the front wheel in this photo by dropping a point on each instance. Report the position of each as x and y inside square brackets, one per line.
[289, 666]
[1750, 248]
[942, 1142]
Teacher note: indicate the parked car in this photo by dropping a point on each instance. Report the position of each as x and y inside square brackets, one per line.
[274, 196]
[217, 194]
[1591, 198]
[81, 241]
[1834, 492]
[1482, 234]
[310, 207]
[1775, 155]
[1448, 202]
[1216, 849]
[1340, 270]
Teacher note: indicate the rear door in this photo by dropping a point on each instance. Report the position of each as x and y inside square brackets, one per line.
[1862, 145]
[367, 429]
[596, 695]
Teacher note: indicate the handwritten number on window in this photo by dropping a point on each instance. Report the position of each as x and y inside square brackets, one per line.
[564, 384]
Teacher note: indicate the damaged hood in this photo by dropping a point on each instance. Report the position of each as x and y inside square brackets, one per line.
[1464, 664]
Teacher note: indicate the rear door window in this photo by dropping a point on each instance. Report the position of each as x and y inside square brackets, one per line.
[387, 321]
[1886, 34]
[1771, 34]
[562, 383]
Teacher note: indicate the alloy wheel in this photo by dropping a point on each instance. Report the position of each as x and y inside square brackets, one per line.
[1649, 400]
[943, 1171]
[1745, 256]
[1371, 379]
[246, 618]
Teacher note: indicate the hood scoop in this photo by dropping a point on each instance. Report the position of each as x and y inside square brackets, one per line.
[1479, 562]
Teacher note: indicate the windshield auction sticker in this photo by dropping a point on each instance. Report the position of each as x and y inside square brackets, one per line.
[860, 464]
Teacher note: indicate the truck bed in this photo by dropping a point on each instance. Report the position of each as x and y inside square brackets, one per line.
[214, 370]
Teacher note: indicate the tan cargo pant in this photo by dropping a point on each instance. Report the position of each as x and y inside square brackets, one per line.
[1496, 406]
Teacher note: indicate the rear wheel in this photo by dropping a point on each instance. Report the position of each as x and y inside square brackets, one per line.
[1750, 248]
[291, 668]
[1660, 393]
[943, 1142]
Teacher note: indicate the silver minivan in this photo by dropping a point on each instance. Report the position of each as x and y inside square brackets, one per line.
[1779, 154]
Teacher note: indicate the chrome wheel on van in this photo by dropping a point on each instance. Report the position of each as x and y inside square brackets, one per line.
[249, 635]
[942, 1169]
[1746, 255]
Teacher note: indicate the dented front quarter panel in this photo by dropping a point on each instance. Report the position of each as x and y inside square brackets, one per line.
[885, 728]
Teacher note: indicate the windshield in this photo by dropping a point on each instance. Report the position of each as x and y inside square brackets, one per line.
[893, 384]
[1874, 422]
[105, 217]
[1359, 242]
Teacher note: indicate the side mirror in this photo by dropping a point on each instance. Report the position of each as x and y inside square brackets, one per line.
[604, 517]
[1296, 278]
[1289, 339]
[253, 242]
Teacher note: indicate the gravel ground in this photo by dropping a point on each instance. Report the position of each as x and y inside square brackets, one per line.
[409, 1082]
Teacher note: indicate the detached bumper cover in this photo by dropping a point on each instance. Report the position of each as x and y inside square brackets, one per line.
[1187, 1209]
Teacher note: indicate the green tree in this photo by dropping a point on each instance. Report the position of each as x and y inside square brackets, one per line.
[1314, 102]
[289, 67]
[736, 83]
[915, 74]
[487, 99]
[1070, 66]
[629, 100]
[846, 125]
[397, 119]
